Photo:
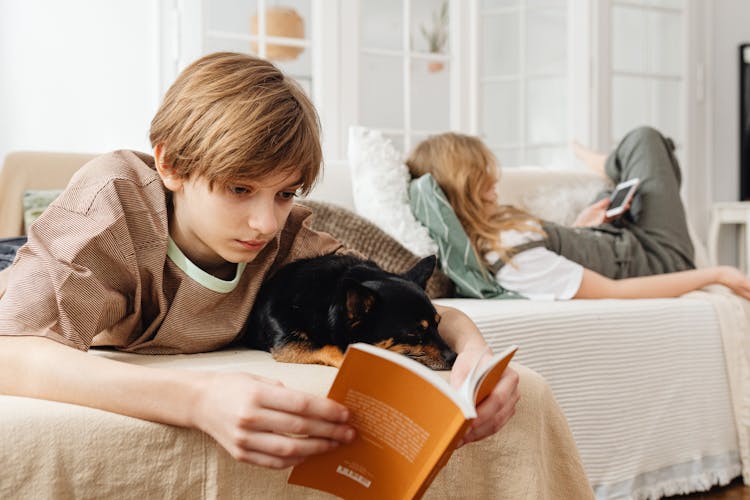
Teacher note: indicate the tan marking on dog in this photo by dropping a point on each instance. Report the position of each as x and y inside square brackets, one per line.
[424, 324]
[429, 355]
[434, 354]
[355, 301]
[369, 302]
[301, 352]
[385, 344]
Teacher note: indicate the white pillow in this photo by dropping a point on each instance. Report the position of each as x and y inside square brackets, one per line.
[380, 184]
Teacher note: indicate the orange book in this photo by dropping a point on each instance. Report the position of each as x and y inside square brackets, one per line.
[408, 420]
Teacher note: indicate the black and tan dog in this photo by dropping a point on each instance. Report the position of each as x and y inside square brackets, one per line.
[312, 309]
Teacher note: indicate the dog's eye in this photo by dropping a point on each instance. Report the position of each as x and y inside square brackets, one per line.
[424, 324]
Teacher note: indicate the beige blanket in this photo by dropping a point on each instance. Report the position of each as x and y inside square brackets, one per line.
[733, 315]
[55, 450]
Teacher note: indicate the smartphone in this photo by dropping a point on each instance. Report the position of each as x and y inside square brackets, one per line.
[620, 198]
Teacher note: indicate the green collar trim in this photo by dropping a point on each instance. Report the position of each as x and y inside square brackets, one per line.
[199, 275]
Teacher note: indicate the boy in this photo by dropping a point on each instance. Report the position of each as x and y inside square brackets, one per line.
[166, 254]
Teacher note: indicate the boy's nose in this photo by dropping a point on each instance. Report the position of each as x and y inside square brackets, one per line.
[263, 220]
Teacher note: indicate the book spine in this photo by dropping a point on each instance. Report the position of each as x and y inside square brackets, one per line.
[440, 462]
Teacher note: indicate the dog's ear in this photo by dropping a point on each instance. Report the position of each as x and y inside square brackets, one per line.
[421, 271]
[359, 301]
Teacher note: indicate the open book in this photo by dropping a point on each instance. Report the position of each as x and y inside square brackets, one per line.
[408, 420]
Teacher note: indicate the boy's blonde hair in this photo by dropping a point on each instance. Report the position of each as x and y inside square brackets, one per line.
[232, 117]
[466, 169]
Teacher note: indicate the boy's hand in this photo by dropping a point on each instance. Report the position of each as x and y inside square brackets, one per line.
[259, 421]
[495, 411]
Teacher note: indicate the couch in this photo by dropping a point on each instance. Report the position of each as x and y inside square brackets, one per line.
[655, 391]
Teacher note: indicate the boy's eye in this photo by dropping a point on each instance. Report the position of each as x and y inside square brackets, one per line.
[238, 190]
[287, 195]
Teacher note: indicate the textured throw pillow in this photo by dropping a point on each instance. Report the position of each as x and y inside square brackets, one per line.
[34, 203]
[359, 234]
[380, 183]
[554, 194]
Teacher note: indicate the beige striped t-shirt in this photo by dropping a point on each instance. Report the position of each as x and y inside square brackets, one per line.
[99, 269]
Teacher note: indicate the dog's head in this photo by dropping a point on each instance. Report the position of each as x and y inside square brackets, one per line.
[394, 312]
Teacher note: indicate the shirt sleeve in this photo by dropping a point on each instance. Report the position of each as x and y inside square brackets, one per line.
[539, 273]
[70, 281]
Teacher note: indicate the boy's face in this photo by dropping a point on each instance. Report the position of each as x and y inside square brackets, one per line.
[228, 224]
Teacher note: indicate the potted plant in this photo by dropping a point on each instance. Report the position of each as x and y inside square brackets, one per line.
[437, 35]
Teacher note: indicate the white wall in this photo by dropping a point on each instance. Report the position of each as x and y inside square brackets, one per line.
[77, 75]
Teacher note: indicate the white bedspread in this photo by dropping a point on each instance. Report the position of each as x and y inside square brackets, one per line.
[643, 383]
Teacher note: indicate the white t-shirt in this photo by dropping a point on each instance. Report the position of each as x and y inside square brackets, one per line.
[537, 273]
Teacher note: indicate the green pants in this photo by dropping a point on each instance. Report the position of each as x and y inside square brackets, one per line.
[653, 238]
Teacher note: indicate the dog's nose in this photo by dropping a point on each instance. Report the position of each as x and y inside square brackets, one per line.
[449, 356]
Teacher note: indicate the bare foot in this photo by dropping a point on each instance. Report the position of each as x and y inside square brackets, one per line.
[592, 159]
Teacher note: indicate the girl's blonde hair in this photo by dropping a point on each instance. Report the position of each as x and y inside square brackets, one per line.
[230, 117]
[466, 169]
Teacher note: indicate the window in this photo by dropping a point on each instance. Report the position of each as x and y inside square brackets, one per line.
[523, 80]
[527, 76]
[279, 30]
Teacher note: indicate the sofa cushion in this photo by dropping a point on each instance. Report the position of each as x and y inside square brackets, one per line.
[22, 171]
[36, 201]
[359, 234]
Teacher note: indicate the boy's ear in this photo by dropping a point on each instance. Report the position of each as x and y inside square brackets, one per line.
[171, 180]
[359, 301]
[421, 271]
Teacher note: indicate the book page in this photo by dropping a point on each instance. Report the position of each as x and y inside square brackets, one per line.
[483, 377]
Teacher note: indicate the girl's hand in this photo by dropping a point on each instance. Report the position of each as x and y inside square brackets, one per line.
[495, 411]
[734, 279]
[259, 421]
[593, 215]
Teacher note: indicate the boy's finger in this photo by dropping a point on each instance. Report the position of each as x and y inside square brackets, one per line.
[301, 403]
[271, 381]
[504, 394]
[286, 447]
[288, 423]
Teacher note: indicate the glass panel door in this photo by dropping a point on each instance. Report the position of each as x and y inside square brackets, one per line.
[278, 30]
[523, 80]
[648, 67]
[405, 66]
